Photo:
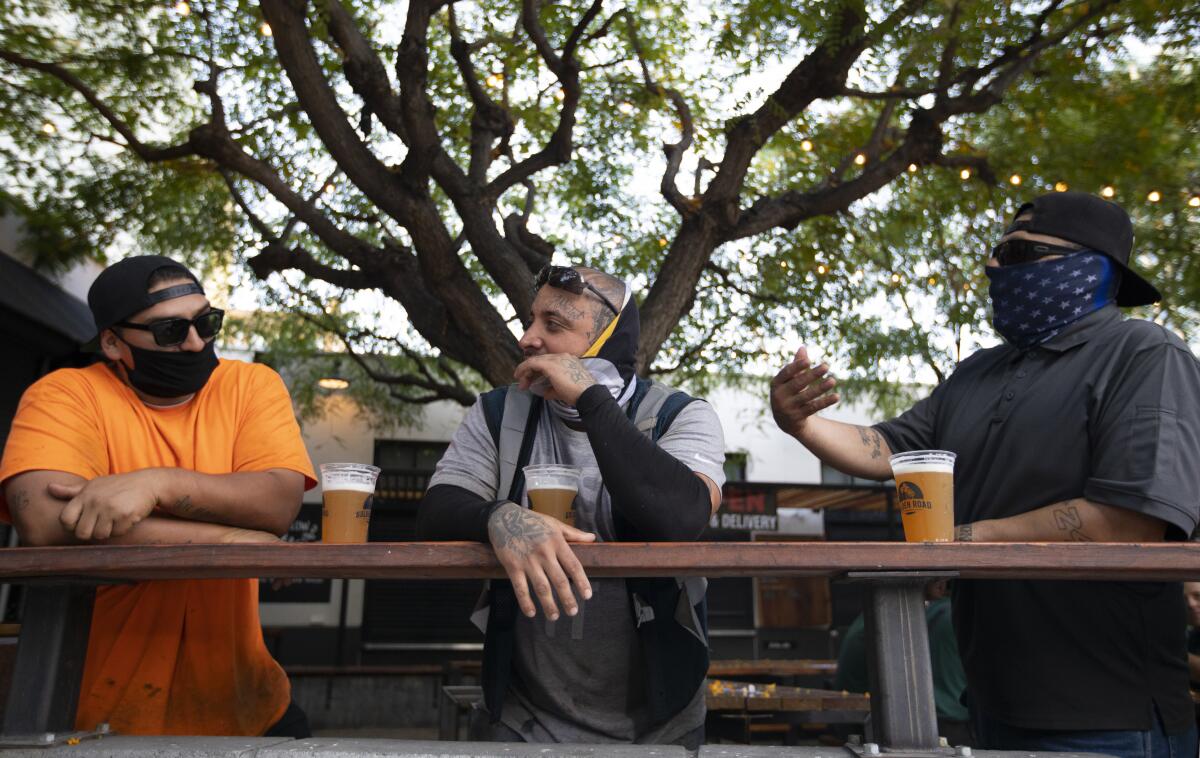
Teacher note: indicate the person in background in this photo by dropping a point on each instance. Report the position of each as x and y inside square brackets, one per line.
[949, 679]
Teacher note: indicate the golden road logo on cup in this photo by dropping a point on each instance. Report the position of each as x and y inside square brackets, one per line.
[911, 498]
[925, 494]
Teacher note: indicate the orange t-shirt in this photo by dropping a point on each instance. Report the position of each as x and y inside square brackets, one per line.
[181, 656]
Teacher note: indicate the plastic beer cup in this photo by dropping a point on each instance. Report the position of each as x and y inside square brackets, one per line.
[552, 489]
[346, 490]
[925, 494]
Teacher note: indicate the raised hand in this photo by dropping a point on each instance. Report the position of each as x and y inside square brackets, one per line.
[565, 373]
[800, 390]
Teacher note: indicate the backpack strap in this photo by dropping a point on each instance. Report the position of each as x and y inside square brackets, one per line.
[656, 407]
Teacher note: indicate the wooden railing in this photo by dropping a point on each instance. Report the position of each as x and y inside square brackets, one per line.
[58, 606]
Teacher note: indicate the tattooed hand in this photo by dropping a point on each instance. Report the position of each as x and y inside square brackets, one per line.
[108, 506]
[566, 374]
[534, 552]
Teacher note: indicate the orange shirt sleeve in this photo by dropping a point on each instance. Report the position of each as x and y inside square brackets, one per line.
[268, 435]
[56, 429]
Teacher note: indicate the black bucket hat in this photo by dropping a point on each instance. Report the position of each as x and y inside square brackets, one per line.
[1098, 225]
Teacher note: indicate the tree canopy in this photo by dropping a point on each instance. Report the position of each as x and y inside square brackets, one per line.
[393, 174]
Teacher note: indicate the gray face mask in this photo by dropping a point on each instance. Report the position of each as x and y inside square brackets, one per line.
[161, 373]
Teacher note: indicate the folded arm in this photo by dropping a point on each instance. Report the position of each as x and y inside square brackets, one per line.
[55, 507]
[1075, 520]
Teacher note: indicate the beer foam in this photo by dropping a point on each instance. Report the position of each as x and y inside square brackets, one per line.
[337, 483]
[922, 468]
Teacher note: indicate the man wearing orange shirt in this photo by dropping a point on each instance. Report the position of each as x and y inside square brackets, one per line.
[163, 443]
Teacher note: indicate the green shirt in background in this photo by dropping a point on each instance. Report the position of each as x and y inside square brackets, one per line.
[949, 679]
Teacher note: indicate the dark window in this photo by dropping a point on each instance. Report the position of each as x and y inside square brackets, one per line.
[735, 467]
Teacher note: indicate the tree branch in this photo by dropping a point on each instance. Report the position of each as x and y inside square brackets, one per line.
[148, 153]
[674, 151]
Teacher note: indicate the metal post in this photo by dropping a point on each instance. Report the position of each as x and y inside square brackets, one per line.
[48, 670]
[903, 712]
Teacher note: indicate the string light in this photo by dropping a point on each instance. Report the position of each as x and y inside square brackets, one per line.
[662, 241]
[182, 8]
[265, 29]
[806, 145]
[912, 168]
[820, 269]
[625, 108]
[895, 278]
[1108, 190]
[1060, 187]
[494, 80]
[860, 159]
[1154, 196]
[559, 95]
[1015, 180]
[965, 174]
[1194, 201]
[49, 128]
[327, 188]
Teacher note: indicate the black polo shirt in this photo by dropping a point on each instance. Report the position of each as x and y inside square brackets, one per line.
[1108, 410]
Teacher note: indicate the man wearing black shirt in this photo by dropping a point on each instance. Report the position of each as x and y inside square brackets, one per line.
[1084, 426]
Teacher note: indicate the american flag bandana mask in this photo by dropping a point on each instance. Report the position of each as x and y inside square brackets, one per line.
[1032, 302]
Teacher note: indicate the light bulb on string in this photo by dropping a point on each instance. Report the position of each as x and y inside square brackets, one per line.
[860, 159]
[625, 108]
[1060, 187]
[1015, 180]
[1194, 201]
[806, 145]
[48, 128]
[1108, 190]
[912, 168]
[182, 8]
[965, 174]
[265, 29]
[1154, 196]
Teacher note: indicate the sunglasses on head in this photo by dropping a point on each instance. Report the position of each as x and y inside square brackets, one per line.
[567, 278]
[169, 332]
[1017, 251]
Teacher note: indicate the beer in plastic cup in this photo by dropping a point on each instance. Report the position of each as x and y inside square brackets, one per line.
[925, 494]
[346, 492]
[552, 490]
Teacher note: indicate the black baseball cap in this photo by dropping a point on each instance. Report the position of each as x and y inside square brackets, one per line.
[1095, 223]
[121, 290]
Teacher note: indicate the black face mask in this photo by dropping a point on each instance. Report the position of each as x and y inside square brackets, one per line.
[160, 373]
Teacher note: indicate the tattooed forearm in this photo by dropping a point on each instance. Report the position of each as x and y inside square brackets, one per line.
[187, 509]
[1067, 519]
[18, 502]
[872, 440]
[964, 533]
[514, 528]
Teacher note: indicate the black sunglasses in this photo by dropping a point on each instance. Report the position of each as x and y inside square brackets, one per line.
[1018, 251]
[567, 278]
[169, 332]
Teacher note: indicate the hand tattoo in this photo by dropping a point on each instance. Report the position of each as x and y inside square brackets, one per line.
[963, 533]
[1068, 520]
[576, 372]
[871, 439]
[517, 529]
